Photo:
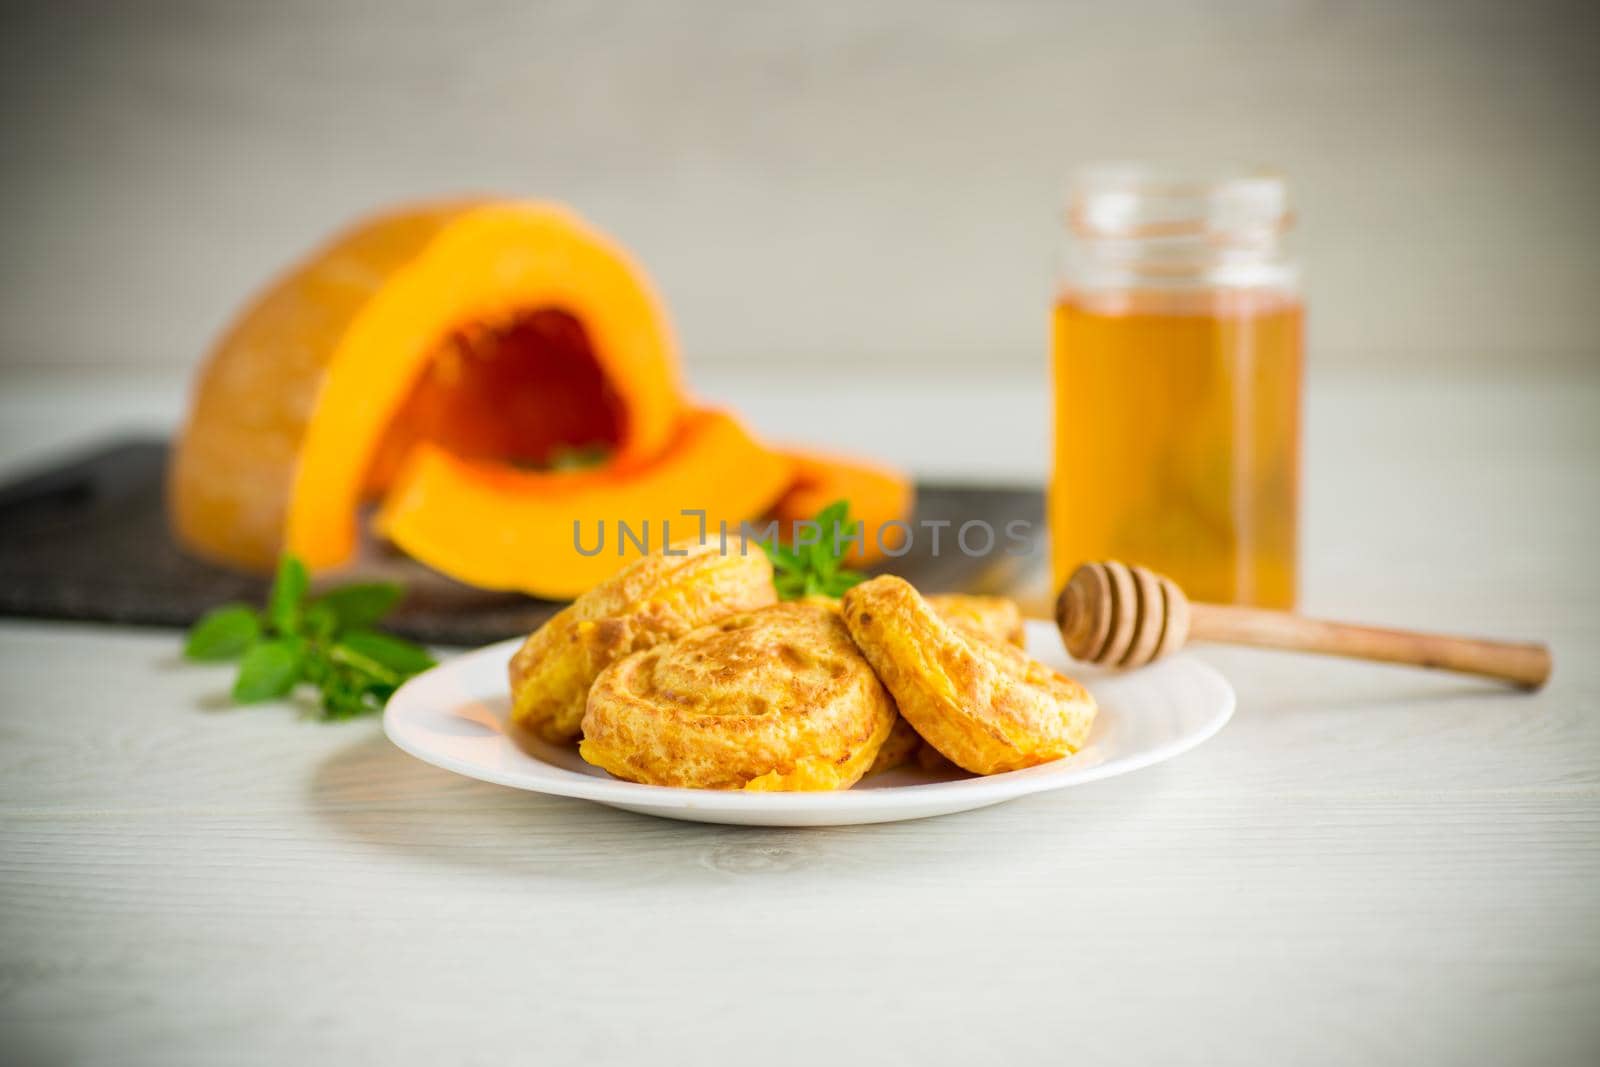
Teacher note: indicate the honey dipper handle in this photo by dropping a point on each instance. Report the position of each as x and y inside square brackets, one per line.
[1524, 665]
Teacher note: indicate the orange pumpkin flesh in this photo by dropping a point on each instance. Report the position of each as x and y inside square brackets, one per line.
[877, 495]
[500, 330]
[495, 527]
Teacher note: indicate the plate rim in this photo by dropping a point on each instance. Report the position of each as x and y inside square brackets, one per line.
[976, 791]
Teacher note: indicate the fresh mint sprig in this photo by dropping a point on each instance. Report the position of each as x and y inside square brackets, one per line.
[816, 569]
[328, 642]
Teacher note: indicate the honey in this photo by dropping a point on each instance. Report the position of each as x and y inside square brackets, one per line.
[1177, 438]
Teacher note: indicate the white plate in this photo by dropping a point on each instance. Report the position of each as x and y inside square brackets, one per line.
[454, 717]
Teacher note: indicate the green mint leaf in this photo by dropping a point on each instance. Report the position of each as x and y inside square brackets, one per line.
[837, 529]
[782, 558]
[267, 672]
[819, 557]
[832, 515]
[223, 634]
[349, 690]
[350, 702]
[355, 684]
[316, 666]
[389, 652]
[356, 670]
[288, 594]
[841, 581]
[790, 586]
[327, 642]
[320, 622]
[826, 565]
[359, 606]
[817, 569]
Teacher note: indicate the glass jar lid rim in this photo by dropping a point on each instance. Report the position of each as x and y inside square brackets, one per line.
[1138, 200]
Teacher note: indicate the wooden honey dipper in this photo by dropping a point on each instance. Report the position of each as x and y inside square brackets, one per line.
[1122, 616]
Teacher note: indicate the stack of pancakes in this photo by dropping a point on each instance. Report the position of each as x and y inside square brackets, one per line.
[685, 670]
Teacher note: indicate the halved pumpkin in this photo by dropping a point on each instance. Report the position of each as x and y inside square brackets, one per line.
[878, 495]
[556, 534]
[496, 330]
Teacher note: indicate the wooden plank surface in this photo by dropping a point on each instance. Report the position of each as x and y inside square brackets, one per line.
[1369, 865]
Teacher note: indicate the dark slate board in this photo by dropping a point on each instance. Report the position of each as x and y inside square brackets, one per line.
[87, 539]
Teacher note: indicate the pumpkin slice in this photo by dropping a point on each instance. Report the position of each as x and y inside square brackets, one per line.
[496, 527]
[496, 329]
[877, 495]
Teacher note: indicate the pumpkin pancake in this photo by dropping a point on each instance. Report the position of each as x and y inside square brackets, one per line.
[652, 600]
[993, 616]
[986, 706]
[776, 699]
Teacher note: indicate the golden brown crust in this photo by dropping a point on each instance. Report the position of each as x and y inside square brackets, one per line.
[652, 600]
[776, 699]
[993, 616]
[903, 742]
[987, 706]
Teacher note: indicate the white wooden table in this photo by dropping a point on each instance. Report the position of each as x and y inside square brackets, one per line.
[1369, 865]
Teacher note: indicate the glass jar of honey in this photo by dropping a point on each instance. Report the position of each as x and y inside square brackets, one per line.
[1178, 354]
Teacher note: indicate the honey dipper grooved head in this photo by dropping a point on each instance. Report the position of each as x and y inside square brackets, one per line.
[1120, 616]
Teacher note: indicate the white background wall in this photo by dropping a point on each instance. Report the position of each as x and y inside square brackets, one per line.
[808, 183]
